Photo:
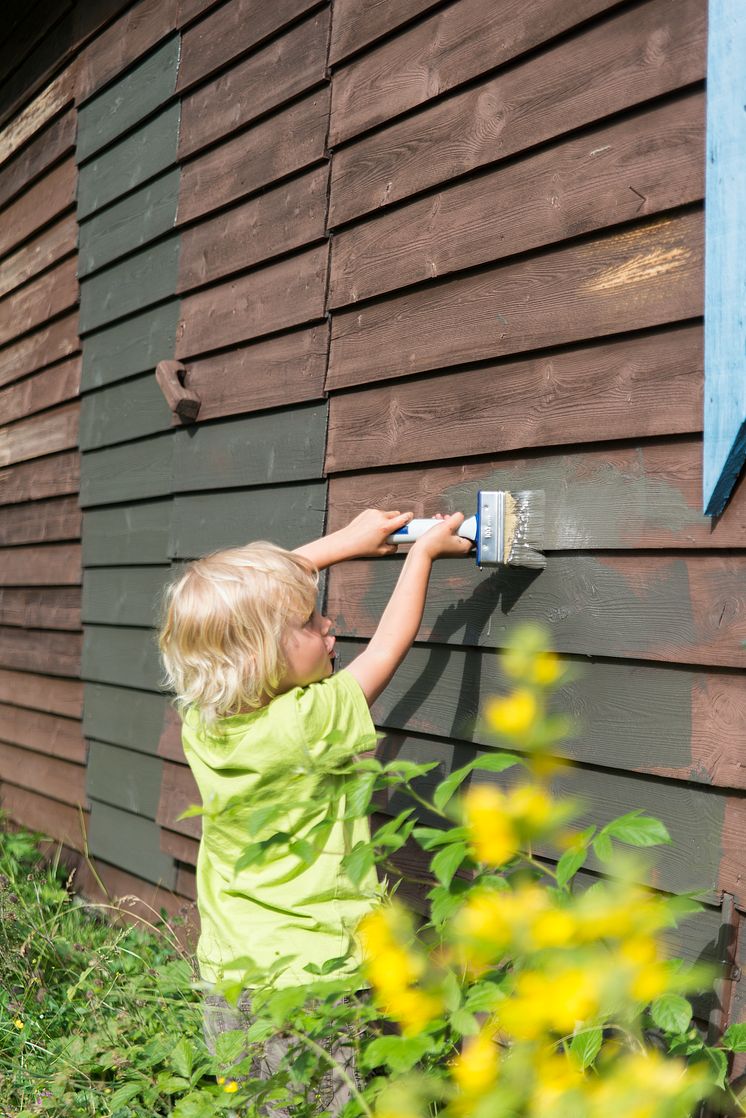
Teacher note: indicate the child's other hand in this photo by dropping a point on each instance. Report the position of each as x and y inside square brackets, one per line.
[441, 540]
[366, 535]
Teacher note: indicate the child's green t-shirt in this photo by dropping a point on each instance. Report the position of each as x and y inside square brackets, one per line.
[288, 752]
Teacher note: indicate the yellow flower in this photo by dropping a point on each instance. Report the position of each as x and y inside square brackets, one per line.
[393, 968]
[413, 1009]
[18, 1023]
[514, 715]
[549, 1002]
[555, 928]
[490, 830]
[221, 1080]
[375, 931]
[546, 669]
[475, 1068]
[556, 1075]
[530, 806]
[231, 1087]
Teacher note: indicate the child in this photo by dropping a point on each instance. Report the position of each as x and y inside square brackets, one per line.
[250, 659]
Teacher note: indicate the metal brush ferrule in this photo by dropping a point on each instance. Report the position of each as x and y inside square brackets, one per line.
[491, 527]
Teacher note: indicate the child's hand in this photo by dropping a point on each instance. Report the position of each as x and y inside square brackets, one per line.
[366, 534]
[441, 540]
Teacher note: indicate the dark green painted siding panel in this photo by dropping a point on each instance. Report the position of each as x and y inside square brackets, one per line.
[123, 595]
[122, 412]
[130, 842]
[121, 716]
[289, 516]
[127, 473]
[140, 92]
[125, 657]
[131, 285]
[133, 346]
[138, 157]
[126, 534]
[123, 778]
[129, 224]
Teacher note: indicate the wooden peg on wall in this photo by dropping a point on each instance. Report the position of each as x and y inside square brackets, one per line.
[181, 400]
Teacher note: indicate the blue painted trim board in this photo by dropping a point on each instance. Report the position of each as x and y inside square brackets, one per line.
[725, 254]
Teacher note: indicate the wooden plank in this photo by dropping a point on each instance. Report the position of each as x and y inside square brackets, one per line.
[39, 813]
[285, 369]
[121, 412]
[47, 433]
[53, 386]
[725, 271]
[687, 610]
[262, 449]
[130, 162]
[57, 340]
[599, 71]
[47, 776]
[456, 44]
[129, 285]
[613, 498]
[42, 732]
[124, 779]
[38, 205]
[642, 276]
[178, 792]
[133, 346]
[134, 96]
[130, 842]
[127, 473]
[634, 387]
[646, 163]
[47, 105]
[125, 657]
[49, 295]
[169, 744]
[287, 142]
[36, 23]
[47, 477]
[129, 224]
[56, 696]
[57, 241]
[357, 23]
[289, 516]
[54, 564]
[40, 607]
[126, 534]
[34, 650]
[116, 48]
[123, 595]
[55, 141]
[180, 847]
[120, 716]
[186, 882]
[635, 717]
[230, 31]
[277, 221]
[287, 293]
[40, 522]
[285, 68]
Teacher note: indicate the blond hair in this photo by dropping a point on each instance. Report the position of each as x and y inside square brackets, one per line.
[225, 618]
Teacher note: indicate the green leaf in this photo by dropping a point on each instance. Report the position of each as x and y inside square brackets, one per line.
[182, 1057]
[719, 1063]
[230, 1046]
[586, 1045]
[359, 795]
[734, 1038]
[569, 864]
[447, 861]
[359, 862]
[602, 848]
[448, 787]
[125, 1094]
[409, 770]
[637, 830]
[445, 900]
[189, 813]
[397, 1053]
[430, 837]
[464, 1023]
[496, 762]
[672, 1013]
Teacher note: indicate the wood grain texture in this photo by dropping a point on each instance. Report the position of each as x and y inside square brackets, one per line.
[47, 776]
[266, 79]
[51, 294]
[129, 534]
[53, 386]
[230, 31]
[288, 142]
[286, 369]
[124, 657]
[357, 23]
[41, 607]
[635, 717]
[47, 477]
[121, 44]
[124, 595]
[689, 609]
[47, 433]
[120, 412]
[55, 564]
[55, 696]
[644, 164]
[180, 847]
[633, 56]
[287, 293]
[38, 813]
[46, 105]
[613, 499]
[178, 792]
[57, 340]
[129, 285]
[124, 779]
[43, 652]
[277, 221]
[459, 42]
[54, 243]
[40, 522]
[126, 473]
[37, 206]
[129, 224]
[633, 387]
[42, 732]
[133, 346]
[121, 716]
[644, 276]
[130, 842]
[55, 141]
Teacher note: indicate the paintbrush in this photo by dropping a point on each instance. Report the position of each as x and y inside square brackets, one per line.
[508, 528]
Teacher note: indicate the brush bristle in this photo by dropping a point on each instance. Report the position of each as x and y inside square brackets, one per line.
[528, 533]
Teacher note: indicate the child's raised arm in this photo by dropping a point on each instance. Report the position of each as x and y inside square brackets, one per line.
[362, 537]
